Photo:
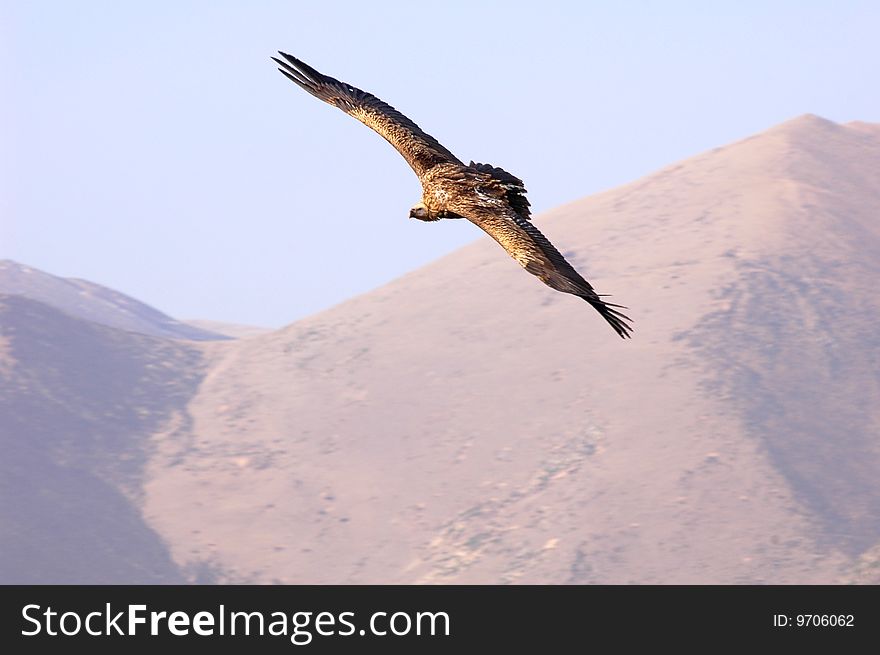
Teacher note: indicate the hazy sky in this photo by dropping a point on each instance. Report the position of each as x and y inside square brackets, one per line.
[153, 147]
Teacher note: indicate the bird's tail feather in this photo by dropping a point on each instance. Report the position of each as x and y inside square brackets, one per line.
[618, 320]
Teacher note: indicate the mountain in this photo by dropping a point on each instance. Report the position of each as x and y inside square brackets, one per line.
[465, 424]
[232, 330]
[95, 303]
[79, 403]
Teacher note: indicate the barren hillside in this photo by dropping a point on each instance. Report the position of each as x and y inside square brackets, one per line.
[78, 405]
[467, 424]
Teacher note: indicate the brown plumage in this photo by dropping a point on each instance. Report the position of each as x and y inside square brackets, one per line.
[488, 196]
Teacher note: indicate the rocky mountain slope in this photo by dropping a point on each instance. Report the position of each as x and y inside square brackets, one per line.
[466, 424]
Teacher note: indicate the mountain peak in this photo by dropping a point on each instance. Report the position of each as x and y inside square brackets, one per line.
[815, 133]
[864, 126]
[96, 303]
[809, 121]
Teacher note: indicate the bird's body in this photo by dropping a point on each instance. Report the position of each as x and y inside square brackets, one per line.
[486, 195]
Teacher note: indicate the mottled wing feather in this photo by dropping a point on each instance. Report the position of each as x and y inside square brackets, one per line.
[421, 150]
[515, 190]
[528, 246]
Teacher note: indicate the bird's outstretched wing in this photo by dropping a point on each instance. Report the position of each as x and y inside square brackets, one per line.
[421, 150]
[514, 190]
[525, 243]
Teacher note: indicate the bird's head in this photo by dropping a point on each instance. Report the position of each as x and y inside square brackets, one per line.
[420, 212]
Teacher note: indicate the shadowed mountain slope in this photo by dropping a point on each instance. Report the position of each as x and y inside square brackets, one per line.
[78, 405]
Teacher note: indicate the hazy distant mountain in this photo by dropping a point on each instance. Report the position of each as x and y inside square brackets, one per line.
[96, 303]
[467, 424]
[79, 403]
[233, 330]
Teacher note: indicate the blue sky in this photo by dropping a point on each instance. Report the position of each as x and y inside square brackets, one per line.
[153, 147]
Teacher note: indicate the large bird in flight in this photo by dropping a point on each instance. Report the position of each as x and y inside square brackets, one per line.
[491, 198]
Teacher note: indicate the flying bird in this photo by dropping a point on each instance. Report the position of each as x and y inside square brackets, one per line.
[488, 196]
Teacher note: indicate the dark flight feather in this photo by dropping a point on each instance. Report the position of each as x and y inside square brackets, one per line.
[515, 191]
[534, 252]
[421, 150]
